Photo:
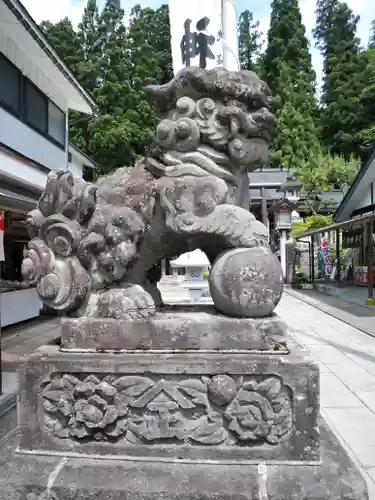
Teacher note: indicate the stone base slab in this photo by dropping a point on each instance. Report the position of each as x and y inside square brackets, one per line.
[189, 405]
[176, 327]
[64, 477]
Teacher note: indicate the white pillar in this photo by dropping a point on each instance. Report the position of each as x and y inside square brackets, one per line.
[230, 42]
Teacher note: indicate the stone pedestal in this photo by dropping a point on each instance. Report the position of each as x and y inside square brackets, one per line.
[187, 405]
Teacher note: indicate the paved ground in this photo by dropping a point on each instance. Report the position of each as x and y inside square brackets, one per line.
[346, 356]
[20, 340]
[347, 364]
[358, 316]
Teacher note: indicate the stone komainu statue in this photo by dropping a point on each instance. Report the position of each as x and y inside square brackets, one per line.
[93, 246]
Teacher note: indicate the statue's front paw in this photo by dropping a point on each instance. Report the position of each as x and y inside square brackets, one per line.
[131, 302]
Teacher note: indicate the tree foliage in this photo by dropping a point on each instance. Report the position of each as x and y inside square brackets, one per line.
[289, 73]
[249, 42]
[367, 105]
[315, 221]
[321, 171]
[114, 54]
[114, 63]
[344, 77]
[287, 45]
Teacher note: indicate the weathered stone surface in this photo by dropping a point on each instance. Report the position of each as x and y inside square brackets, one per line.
[93, 247]
[246, 282]
[213, 405]
[65, 477]
[176, 327]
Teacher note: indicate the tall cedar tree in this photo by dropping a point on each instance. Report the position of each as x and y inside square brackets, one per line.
[371, 42]
[114, 64]
[87, 72]
[289, 73]
[249, 42]
[65, 41]
[111, 134]
[151, 63]
[287, 44]
[367, 106]
[297, 139]
[344, 77]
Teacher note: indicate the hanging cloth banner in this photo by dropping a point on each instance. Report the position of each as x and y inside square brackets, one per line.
[196, 33]
[2, 228]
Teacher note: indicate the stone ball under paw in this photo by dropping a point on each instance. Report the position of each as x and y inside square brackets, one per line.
[246, 282]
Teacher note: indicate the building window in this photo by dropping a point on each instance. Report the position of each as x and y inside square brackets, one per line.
[19, 95]
[10, 85]
[56, 123]
[36, 108]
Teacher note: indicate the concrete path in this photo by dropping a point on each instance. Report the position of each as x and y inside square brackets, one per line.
[346, 357]
[20, 340]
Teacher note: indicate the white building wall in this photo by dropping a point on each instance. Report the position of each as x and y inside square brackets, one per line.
[76, 167]
[367, 199]
[20, 171]
[21, 138]
[12, 50]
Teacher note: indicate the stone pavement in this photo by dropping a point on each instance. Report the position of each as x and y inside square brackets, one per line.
[346, 357]
[345, 354]
[356, 315]
[20, 340]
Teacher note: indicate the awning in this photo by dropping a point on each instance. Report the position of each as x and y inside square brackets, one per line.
[355, 221]
[15, 201]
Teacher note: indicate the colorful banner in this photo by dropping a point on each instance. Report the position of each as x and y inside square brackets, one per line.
[196, 33]
[2, 228]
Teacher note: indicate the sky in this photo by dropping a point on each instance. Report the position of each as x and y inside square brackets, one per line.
[54, 11]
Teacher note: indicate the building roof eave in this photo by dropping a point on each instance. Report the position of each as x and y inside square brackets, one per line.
[339, 215]
[22, 15]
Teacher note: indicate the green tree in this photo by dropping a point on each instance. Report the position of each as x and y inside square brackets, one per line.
[371, 42]
[321, 171]
[344, 77]
[367, 106]
[249, 42]
[65, 41]
[110, 134]
[88, 36]
[297, 139]
[287, 45]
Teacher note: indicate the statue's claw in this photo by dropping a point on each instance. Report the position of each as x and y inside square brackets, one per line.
[130, 302]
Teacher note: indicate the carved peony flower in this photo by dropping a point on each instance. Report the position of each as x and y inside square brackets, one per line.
[261, 411]
[88, 408]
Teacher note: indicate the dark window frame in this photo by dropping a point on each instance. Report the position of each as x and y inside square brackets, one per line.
[44, 98]
[21, 114]
[3, 104]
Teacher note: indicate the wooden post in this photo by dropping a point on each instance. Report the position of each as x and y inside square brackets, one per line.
[264, 208]
[369, 260]
[338, 259]
[312, 260]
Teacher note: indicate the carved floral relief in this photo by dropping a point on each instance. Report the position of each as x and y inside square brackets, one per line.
[218, 410]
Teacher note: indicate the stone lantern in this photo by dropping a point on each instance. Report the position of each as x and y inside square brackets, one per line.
[196, 264]
[291, 188]
[283, 210]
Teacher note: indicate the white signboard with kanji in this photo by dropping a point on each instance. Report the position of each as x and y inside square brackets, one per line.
[196, 33]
